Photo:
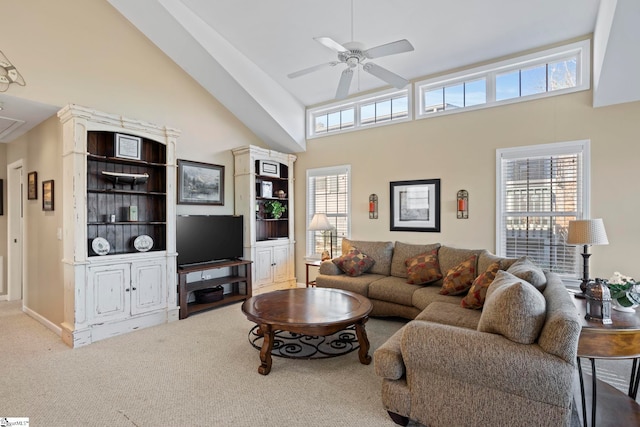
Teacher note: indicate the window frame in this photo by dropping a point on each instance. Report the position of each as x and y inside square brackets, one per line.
[582, 147]
[357, 104]
[581, 50]
[310, 207]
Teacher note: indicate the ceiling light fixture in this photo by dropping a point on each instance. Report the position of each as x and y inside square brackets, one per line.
[8, 74]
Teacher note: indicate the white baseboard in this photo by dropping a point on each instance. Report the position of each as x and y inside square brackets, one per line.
[47, 324]
[4, 297]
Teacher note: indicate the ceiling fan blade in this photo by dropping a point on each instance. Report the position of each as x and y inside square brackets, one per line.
[311, 69]
[343, 85]
[331, 44]
[388, 49]
[386, 75]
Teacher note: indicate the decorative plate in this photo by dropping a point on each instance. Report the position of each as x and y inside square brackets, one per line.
[143, 243]
[100, 246]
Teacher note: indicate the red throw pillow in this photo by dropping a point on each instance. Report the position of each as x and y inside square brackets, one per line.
[423, 268]
[478, 291]
[354, 263]
[460, 278]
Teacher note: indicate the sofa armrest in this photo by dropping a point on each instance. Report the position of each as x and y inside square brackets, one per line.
[387, 359]
[487, 361]
[329, 268]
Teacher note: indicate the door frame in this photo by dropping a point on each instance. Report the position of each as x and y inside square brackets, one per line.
[14, 216]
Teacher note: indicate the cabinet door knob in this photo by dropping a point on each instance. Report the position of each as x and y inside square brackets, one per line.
[133, 289]
[126, 290]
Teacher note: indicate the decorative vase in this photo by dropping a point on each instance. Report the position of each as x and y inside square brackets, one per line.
[618, 307]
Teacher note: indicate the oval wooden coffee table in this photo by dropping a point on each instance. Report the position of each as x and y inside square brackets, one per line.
[308, 311]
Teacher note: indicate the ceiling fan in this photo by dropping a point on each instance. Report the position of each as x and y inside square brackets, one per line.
[353, 55]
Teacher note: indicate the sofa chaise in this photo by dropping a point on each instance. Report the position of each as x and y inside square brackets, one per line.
[502, 353]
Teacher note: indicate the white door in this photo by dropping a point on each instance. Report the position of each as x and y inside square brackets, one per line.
[148, 286]
[109, 293]
[264, 266]
[15, 230]
[281, 261]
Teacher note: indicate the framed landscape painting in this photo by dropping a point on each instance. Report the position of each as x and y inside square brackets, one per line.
[200, 183]
[415, 205]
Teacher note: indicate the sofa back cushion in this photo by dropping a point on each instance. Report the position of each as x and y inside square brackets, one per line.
[452, 257]
[404, 251]
[380, 252]
[527, 270]
[514, 309]
[487, 258]
[561, 331]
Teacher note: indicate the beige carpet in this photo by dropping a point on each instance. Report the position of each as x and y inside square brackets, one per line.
[200, 371]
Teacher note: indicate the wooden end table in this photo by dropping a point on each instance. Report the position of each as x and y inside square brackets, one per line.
[308, 311]
[619, 340]
[311, 264]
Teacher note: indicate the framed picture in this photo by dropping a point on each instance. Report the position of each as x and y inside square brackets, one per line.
[200, 183]
[32, 186]
[415, 205]
[47, 195]
[267, 168]
[128, 147]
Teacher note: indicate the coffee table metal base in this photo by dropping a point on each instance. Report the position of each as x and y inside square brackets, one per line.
[297, 346]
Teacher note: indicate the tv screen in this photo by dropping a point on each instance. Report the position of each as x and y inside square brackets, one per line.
[208, 238]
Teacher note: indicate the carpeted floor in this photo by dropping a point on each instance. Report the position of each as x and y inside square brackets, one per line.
[201, 371]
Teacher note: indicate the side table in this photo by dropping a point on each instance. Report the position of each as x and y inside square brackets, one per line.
[619, 340]
[311, 264]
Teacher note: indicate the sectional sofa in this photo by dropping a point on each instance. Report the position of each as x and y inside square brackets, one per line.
[500, 353]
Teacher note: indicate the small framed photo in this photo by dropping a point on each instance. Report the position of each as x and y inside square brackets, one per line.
[267, 168]
[266, 189]
[47, 195]
[200, 183]
[32, 186]
[415, 205]
[128, 147]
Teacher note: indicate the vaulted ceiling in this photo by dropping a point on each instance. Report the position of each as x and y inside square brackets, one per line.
[242, 51]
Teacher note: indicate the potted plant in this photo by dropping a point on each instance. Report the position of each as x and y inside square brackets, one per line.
[625, 292]
[274, 208]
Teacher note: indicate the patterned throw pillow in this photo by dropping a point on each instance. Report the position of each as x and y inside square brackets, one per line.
[354, 263]
[423, 268]
[478, 291]
[460, 278]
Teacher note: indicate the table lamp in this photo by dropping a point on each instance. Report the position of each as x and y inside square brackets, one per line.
[320, 222]
[586, 232]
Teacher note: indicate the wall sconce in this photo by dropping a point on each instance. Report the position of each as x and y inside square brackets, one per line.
[373, 206]
[463, 204]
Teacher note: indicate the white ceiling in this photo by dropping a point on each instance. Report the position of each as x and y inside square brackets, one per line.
[242, 51]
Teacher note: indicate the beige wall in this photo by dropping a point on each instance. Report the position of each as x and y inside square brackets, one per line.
[86, 53]
[460, 149]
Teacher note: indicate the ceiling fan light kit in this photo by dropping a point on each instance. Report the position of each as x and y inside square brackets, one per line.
[352, 55]
[8, 74]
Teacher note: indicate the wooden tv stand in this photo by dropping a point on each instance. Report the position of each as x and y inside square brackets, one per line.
[235, 279]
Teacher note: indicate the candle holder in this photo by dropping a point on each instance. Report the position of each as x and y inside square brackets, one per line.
[598, 301]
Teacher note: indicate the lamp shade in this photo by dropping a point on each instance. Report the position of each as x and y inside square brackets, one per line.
[320, 222]
[587, 232]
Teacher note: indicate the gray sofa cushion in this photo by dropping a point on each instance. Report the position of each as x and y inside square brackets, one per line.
[381, 252]
[359, 284]
[427, 294]
[450, 257]
[450, 314]
[393, 289]
[404, 251]
[525, 269]
[513, 309]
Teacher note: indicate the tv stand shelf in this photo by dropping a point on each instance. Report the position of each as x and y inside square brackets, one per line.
[240, 272]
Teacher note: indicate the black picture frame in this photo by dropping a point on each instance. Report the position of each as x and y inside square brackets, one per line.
[47, 195]
[415, 205]
[32, 186]
[200, 183]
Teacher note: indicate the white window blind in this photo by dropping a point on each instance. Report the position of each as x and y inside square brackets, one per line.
[328, 192]
[539, 190]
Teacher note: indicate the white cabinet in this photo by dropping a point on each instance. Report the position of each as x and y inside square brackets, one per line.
[125, 289]
[119, 291]
[262, 177]
[272, 265]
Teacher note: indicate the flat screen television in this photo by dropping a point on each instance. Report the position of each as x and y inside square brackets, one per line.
[202, 239]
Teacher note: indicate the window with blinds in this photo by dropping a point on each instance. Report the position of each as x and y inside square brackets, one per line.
[328, 192]
[539, 190]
